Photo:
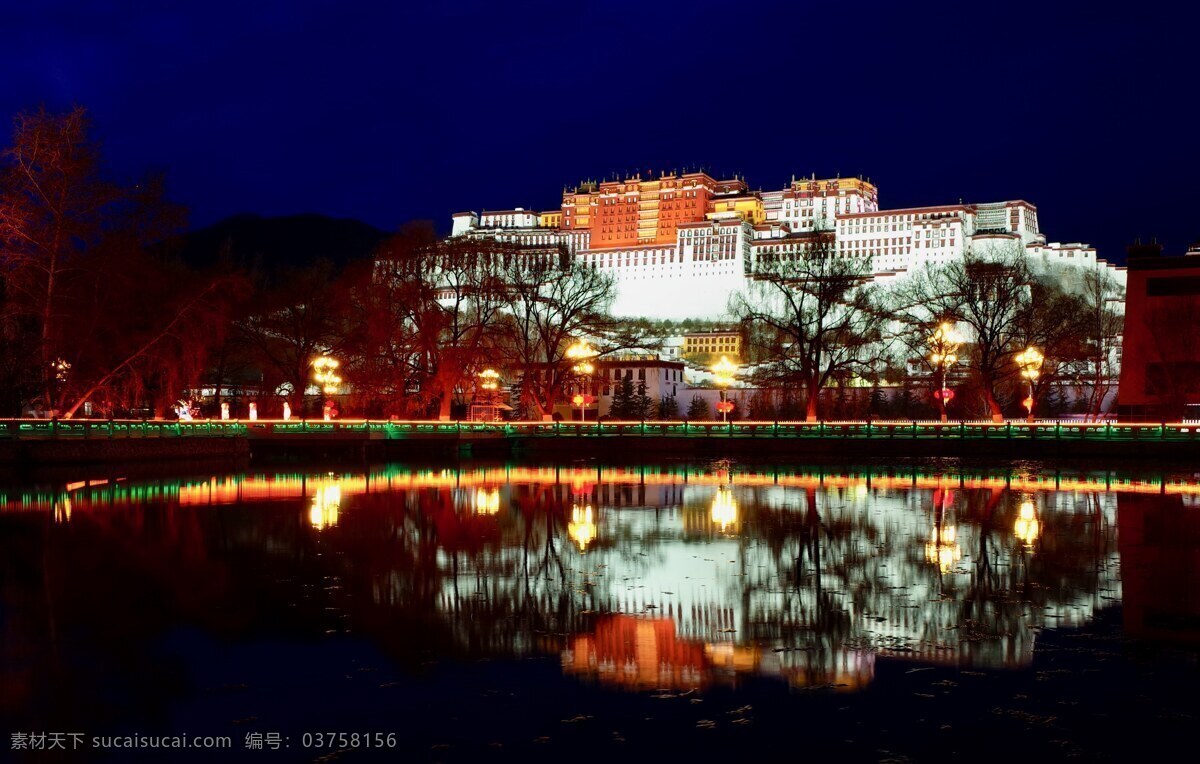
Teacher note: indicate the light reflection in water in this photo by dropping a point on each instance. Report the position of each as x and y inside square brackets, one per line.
[724, 509]
[487, 501]
[1027, 527]
[326, 501]
[812, 578]
[942, 549]
[582, 528]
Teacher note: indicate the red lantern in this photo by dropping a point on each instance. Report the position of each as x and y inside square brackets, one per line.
[725, 407]
[589, 399]
[945, 394]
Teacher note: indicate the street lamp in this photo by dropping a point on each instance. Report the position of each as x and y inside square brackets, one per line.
[943, 346]
[582, 354]
[1030, 360]
[489, 383]
[325, 375]
[724, 372]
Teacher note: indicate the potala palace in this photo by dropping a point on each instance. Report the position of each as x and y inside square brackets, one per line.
[679, 245]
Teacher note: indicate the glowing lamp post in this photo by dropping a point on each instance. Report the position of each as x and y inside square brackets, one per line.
[724, 372]
[1030, 361]
[582, 401]
[327, 379]
[489, 380]
[943, 345]
[487, 384]
[582, 354]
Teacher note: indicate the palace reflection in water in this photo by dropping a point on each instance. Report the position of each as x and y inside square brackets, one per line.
[643, 578]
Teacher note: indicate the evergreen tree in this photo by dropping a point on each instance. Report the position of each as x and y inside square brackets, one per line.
[622, 400]
[641, 406]
[668, 408]
[698, 408]
[880, 406]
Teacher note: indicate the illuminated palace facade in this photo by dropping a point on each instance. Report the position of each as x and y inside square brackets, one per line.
[678, 246]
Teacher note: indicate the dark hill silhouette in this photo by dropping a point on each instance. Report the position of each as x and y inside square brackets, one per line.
[267, 244]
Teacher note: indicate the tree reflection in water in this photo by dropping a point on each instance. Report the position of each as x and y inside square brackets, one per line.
[642, 578]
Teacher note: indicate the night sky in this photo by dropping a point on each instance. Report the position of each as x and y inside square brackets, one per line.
[389, 112]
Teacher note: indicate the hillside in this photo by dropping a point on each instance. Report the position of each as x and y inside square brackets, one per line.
[268, 243]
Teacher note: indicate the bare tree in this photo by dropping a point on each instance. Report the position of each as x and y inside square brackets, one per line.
[52, 205]
[73, 247]
[811, 319]
[552, 303]
[1103, 326]
[434, 312]
[297, 319]
[988, 295]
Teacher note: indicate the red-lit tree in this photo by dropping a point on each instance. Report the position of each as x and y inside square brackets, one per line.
[114, 318]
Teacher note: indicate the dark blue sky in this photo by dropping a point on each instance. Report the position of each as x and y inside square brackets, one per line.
[392, 111]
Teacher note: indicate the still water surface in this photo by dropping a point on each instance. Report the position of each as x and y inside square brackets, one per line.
[592, 611]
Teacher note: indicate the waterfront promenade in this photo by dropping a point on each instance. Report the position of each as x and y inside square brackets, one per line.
[33, 440]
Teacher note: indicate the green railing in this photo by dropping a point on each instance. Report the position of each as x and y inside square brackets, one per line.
[385, 429]
[118, 428]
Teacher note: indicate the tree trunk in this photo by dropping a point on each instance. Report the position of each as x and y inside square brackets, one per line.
[993, 404]
[811, 403]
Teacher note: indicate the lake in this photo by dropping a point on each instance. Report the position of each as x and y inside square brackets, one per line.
[586, 611]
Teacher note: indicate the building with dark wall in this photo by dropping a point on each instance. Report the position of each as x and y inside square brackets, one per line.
[1160, 364]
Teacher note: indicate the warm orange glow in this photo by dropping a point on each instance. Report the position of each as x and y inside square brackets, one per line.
[1030, 360]
[724, 372]
[487, 501]
[62, 510]
[944, 344]
[724, 509]
[1027, 528]
[327, 499]
[489, 379]
[582, 528]
[325, 374]
[268, 487]
[942, 548]
[582, 354]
